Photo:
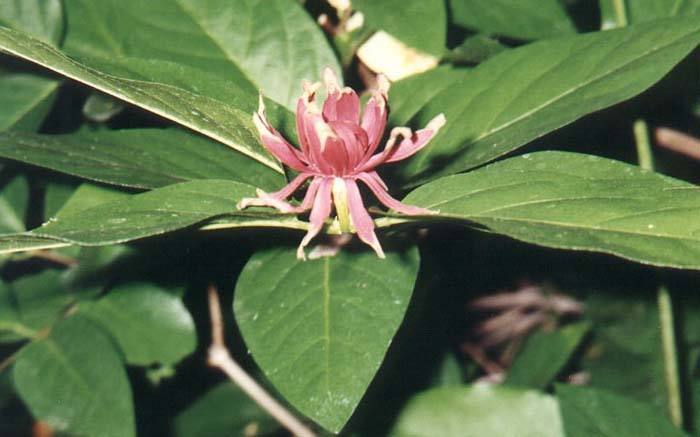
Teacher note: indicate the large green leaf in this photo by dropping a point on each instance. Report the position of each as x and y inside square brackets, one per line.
[75, 381]
[637, 11]
[526, 19]
[579, 202]
[587, 412]
[32, 303]
[421, 24]
[41, 18]
[480, 410]
[26, 98]
[141, 158]
[14, 201]
[163, 210]
[319, 329]
[231, 125]
[150, 324]
[24, 242]
[260, 44]
[543, 356]
[525, 93]
[223, 410]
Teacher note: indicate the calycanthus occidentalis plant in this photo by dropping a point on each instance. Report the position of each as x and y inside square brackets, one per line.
[338, 148]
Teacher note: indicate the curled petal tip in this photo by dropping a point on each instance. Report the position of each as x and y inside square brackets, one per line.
[436, 123]
[300, 253]
[383, 84]
[330, 79]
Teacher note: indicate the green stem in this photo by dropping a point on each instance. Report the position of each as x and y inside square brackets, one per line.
[620, 13]
[644, 155]
[668, 343]
[668, 335]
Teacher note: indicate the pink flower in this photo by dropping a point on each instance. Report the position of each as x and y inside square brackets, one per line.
[338, 150]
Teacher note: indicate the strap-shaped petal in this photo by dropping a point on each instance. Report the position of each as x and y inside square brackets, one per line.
[275, 143]
[361, 220]
[378, 187]
[375, 114]
[320, 211]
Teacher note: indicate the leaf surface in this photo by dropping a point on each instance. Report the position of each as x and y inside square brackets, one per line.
[139, 158]
[587, 411]
[525, 19]
[75, 381]
[524, 93]
[480, 410]
[149, 324]
[319, 329]
[579, 202]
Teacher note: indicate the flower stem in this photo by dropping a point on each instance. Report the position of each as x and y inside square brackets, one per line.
[665, 307]
[620, 13]
[668, 343]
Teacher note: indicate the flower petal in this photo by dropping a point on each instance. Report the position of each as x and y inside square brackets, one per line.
[276, 200]
[375, 114]
[341, 104]
[378, 187]
[354, 138]
[319, 213]
[410, 144]
[417, 141]
[275, 143]
[361, 220]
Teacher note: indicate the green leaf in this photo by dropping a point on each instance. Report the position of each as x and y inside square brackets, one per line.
[421, 24]
[223, 410]
[475, 49]
[14, 200]
[319, 329]
[231, 125]
[645, 10]
[480, 410]
[27, 98]
[625, 355]
[525, 19]
[88, 196]
[587, 412]
[260, 44]
[544, 354]
[41, 18]
[578, 202]
[75, 381]
[149, 324]
[140, 158]
[24, 242]
[524, 93]
[163, 210]
[32, 303]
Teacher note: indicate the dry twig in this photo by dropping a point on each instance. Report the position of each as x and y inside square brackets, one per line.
[220, 358]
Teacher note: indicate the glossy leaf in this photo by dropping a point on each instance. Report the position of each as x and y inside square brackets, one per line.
[24, 242]
[163, 210]
[75, 381]
[543, 355]
[32, 303]
[579, 202]
[587, 411]
[421, 24]
[26, 98]
[230, 125]
[525, 19]
[319, 329]
[149, 324]
[525, 93]
[480, 410]
[140, 158]
[246, 41]
[41, 18]
[223, 410]
[645, 10]
[14, 201]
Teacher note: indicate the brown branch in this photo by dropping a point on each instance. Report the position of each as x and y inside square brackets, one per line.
[220, 358]
[54, 257]
[678, 142]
